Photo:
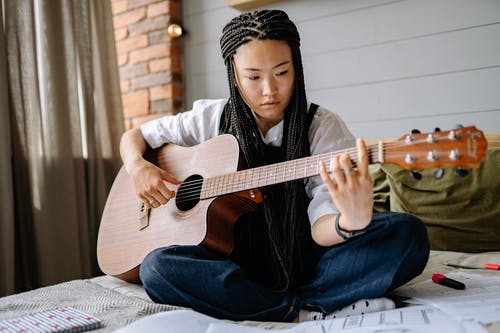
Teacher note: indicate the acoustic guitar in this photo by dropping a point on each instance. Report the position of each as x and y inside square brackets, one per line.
[214, 193]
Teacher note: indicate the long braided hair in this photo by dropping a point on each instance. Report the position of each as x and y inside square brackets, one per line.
[286, 216]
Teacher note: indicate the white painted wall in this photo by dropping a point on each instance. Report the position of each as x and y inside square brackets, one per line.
[385, 66]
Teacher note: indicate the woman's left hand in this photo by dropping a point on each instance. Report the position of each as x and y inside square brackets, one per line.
[351, 189]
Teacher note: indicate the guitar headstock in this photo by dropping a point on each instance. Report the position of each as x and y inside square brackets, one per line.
[463, 147]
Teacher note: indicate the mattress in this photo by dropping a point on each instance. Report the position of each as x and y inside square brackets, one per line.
[118, 303]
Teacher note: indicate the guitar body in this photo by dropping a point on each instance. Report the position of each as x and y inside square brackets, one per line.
[128, 232]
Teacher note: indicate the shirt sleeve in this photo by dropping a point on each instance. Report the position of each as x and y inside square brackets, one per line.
[187, 128]
[327, 133]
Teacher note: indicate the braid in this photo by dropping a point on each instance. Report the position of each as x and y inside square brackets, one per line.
[286, 218]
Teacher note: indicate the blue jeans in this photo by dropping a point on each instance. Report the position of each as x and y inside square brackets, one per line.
[393, 251]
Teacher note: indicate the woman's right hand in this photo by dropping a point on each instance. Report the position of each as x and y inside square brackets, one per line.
[150, 183]
[148, 179]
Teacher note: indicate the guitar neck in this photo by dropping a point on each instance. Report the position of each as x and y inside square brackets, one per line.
[280, 172]
[463, 147]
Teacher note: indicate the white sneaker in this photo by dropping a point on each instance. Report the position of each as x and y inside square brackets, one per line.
[359, 307]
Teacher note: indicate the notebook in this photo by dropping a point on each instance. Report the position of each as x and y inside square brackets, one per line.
[65, 319]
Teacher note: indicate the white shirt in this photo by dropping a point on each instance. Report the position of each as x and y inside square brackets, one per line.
[327, 133]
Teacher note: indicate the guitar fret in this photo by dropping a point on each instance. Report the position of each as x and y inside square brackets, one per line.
[225, 183]
[206, 187]
[311, 167]
[229, 183]
[218, 184]
[270, 175]
[264, 175]
[305, 169]
[255, 177]
[250, 178]
[222, 184]
[259, 178]
[203, 191]
[215, 185]
[210, 189]
[246, 178]
[275, 170]
[242, 181]
[236, 183]
[291, 171]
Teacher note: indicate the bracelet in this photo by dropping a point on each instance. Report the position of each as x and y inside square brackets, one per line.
[345, 234]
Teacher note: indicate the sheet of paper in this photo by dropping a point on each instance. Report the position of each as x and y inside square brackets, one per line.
[479, 301]
[410, 320]
[179, 321]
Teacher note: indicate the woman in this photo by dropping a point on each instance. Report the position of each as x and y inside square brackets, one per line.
[313, 246]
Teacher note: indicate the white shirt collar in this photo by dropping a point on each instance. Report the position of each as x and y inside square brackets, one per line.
[274, 135]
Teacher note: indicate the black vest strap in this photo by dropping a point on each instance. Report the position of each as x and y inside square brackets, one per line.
[310, 114]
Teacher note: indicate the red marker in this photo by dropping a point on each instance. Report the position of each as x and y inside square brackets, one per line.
[494, 267]
[443, 280]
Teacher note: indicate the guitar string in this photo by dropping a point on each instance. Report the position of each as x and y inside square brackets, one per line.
[302, 163]
[188, 193]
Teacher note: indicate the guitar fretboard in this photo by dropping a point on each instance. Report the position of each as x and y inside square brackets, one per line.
[278, 173]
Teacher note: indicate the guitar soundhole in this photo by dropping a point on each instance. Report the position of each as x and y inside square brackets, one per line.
[188, 194]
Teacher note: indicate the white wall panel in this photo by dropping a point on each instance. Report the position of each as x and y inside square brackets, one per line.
[385, 66]
[392, 22]
[457, 93]
[430, 55]
[397, 127]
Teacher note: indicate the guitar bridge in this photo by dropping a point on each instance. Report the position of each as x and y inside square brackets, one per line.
[143, 216]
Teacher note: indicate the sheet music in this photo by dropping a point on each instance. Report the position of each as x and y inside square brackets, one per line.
[414, 319]
[479, 301]
[410, 320]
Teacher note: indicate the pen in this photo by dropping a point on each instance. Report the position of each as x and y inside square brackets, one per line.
[494, 267]
[443, 280]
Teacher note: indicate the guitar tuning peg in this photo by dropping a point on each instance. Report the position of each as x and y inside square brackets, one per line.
[415, 131]
[437, 129]
[461, 173]
[415, 175]
[439, 173]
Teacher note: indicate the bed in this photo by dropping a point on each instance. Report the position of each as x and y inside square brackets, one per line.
[118, 303]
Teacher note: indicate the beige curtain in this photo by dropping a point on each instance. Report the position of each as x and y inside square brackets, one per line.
[60, 124]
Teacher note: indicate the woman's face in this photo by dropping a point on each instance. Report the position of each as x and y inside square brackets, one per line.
[265, 77]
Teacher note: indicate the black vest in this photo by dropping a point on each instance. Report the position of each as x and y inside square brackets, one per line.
[251, 242]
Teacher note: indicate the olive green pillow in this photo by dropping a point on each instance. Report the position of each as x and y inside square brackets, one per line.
[461, 214]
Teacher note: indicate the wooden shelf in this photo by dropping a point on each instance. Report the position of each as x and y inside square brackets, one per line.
[244, 5]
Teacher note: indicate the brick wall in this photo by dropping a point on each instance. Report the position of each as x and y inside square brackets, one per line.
[149, 61]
